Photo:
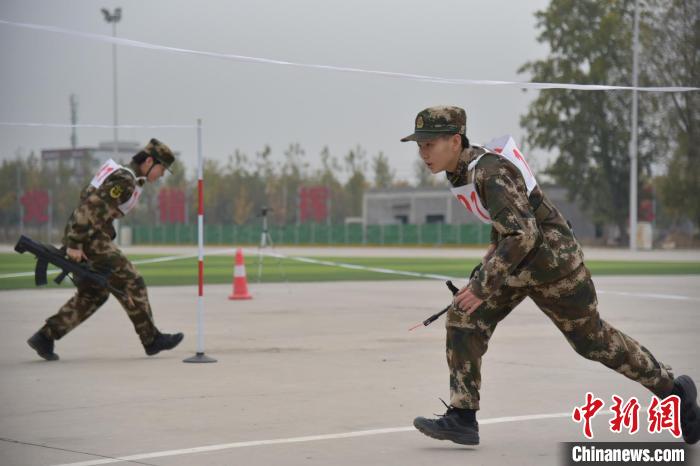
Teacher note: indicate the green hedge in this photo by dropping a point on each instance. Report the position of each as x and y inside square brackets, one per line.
[317, 234]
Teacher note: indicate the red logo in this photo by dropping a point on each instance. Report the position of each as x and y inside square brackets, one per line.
[587, 412]
[625, 416]
[662, 415]
[665, 415]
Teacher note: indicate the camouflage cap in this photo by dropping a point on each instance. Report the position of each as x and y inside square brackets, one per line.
[436, 121]
[159, 152]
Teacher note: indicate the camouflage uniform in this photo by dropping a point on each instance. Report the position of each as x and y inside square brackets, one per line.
[90, 229]
[536, 256]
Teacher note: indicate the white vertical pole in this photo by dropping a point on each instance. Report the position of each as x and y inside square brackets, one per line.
[114, 93]
[20, 193]
[633, 138]
[200, 240]
[449, 209]
[328, 213]
[200, 356]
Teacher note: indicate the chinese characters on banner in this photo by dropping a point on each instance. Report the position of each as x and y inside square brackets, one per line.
[661, 415]
[171, 203]
[313, 204]
[36, 206]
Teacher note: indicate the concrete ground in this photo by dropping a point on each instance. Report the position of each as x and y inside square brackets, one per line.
[315, 374]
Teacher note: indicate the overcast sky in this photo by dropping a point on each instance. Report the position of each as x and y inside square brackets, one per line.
[245, 105]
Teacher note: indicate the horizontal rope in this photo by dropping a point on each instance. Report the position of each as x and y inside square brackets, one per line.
[88, 125]
[387, 74]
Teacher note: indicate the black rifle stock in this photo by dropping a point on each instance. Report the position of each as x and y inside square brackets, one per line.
[46, 254]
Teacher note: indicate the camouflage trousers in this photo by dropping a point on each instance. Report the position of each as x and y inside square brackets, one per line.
[88, 298]
[571, 304]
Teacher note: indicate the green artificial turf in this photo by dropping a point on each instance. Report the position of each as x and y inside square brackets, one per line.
[219, 269]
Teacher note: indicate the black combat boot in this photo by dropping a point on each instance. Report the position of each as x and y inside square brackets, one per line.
[684, 387]
[163, 341]
[43, 346]
[458, 425]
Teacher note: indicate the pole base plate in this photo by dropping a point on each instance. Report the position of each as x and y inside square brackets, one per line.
[199, 357]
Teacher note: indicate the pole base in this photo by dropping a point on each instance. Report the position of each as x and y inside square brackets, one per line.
[199, 357]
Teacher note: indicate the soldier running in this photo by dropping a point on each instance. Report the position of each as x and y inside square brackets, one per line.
[112, 193]
[533, 253]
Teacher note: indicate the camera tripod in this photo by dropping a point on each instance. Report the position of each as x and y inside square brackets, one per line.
[265, 242]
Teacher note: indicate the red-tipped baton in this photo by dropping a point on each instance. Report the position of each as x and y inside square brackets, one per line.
[435, 317]
[454, 291]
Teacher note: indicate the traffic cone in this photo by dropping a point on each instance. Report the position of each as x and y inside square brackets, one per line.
[240, 282]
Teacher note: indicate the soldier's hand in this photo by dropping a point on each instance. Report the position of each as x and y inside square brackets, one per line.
[466, 301]
[76, 255]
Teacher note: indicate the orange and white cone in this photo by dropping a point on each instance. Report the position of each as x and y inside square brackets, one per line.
[240, 282]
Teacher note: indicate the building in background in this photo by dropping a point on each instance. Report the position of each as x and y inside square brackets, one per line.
[419, 206]
[415, 206]
[83, 161]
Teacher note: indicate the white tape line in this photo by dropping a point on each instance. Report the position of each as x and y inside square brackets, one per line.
[143, 261]
[345, 265]
[457, 279]
[387, 74]
[26, 274]
[311, 438]
[88, 125]
[673, 297]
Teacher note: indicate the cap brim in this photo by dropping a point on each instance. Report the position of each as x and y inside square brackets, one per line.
[425, 135]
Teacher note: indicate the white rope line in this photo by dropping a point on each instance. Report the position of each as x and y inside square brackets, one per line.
[88, 125]
[387, 74]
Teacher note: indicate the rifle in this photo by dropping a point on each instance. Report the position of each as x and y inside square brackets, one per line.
[46, 254]
[454, 291]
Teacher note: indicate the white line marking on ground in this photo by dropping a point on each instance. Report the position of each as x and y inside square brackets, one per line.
[344, 265]
[310, 438]
[458, 279]
[674, 297]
